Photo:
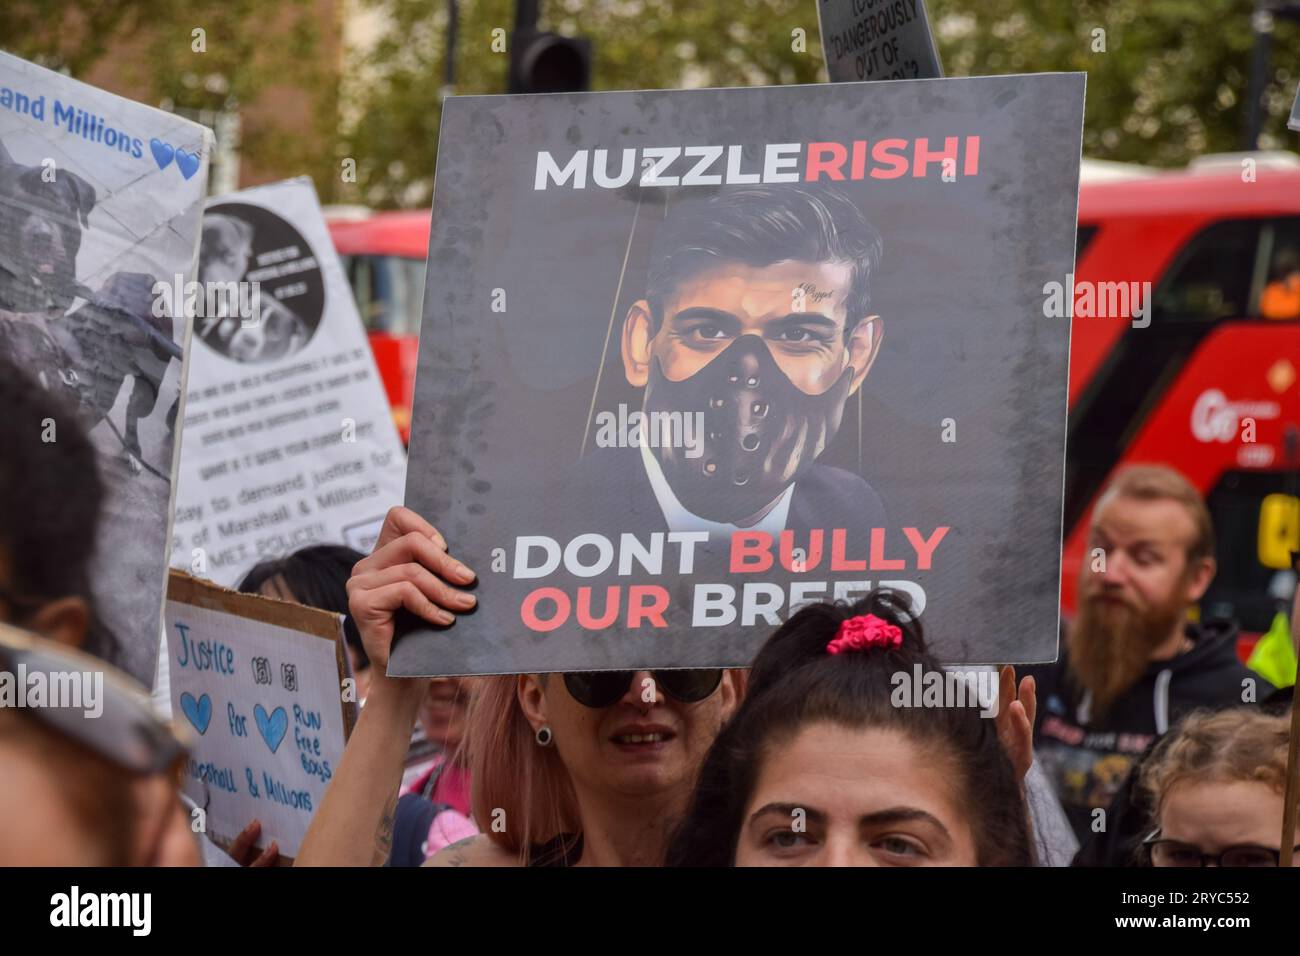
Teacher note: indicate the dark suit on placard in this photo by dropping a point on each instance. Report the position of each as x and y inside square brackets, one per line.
[611, 493]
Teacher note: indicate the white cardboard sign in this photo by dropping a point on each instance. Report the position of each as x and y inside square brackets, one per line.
[289, 440]
[261, 684]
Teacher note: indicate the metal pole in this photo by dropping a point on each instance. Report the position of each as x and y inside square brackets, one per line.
[1262, 23]
[526, 15]
[453, 24]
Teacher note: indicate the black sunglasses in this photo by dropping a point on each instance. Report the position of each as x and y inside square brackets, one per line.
[602, 688]
[1177, 853]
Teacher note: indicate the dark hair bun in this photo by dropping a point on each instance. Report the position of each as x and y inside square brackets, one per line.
[803, 638]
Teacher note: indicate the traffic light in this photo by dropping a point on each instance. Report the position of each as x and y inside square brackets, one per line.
[546, 62]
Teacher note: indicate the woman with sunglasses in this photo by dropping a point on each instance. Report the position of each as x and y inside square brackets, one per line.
[589, 769]
[1216, 787]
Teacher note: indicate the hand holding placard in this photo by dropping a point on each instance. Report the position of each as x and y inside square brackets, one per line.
[410, 568]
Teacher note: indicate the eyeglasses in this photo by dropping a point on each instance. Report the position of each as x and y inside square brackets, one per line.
[601, 688]
[1177, 853]
[125, 731]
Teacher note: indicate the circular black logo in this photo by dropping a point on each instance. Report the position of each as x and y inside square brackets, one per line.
[260, 292]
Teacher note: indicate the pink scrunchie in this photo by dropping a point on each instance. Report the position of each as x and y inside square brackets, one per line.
[863, 632]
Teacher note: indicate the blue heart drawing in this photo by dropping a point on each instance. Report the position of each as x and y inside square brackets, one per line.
[187, 163]
[162, 153]
[272, 726]
[199, 712]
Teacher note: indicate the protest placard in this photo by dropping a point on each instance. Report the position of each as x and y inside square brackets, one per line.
[100, 203]
[669, 391]
[288, 437]
[877, 40]
[262, 684]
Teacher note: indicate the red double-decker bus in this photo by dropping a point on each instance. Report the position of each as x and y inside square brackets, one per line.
[1211, 386]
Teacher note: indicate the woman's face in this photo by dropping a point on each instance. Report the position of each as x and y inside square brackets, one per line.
[1214, 816]
[645, 743]
[443, 711]
[835, 796]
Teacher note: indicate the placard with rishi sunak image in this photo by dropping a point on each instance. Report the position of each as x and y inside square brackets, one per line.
[692, 359]
[100, 204]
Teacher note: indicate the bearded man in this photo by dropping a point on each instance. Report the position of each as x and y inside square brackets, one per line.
[1133, 662]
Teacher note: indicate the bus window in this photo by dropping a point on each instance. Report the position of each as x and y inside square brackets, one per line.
[1086, 235]
[1210, 280]
[389, 291]
[1279, 265]
[1241, 587]
[1211, 277]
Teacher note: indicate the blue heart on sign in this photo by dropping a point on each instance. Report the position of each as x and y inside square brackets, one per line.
[199, 712]
[162, 152]
[187, 163]
[271, 726]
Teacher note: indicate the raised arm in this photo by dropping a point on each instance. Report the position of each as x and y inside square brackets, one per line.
[410, 568]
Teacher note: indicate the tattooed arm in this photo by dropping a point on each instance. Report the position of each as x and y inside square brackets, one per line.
[478, 850]
[353, 826]
[409, 569]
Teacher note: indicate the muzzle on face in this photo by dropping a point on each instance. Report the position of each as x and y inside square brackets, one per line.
[761, 431]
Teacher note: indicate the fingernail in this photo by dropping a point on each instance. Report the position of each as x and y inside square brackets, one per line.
[445, 617]
[470, 599]
[461, 569]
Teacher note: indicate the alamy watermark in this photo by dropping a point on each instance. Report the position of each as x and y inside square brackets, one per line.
[946, 688]
[1098, 300]
[652, 429]
[209, 300]
[65, 690]
[133, 911]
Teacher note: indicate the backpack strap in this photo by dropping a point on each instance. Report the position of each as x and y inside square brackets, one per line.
[411, 822]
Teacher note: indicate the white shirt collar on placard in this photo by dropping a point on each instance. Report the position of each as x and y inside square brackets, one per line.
[679, 519]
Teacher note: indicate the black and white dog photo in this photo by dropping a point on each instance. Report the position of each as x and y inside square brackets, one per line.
[88, 352]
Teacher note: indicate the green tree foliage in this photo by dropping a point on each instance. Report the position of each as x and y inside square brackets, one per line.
[637, 44]
[1167, 79]
[148, 47]
[1169, 83]
[1173, 79]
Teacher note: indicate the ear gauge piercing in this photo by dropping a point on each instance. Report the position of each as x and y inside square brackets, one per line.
[544, 736]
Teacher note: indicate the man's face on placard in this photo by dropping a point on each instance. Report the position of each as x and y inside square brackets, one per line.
[769, 355]
[796, 308]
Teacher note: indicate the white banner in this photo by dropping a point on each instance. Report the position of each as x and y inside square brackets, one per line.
[100, 203]
[288, 436]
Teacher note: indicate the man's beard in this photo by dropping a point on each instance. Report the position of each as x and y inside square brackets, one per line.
[761, 431]
[1111, 645]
